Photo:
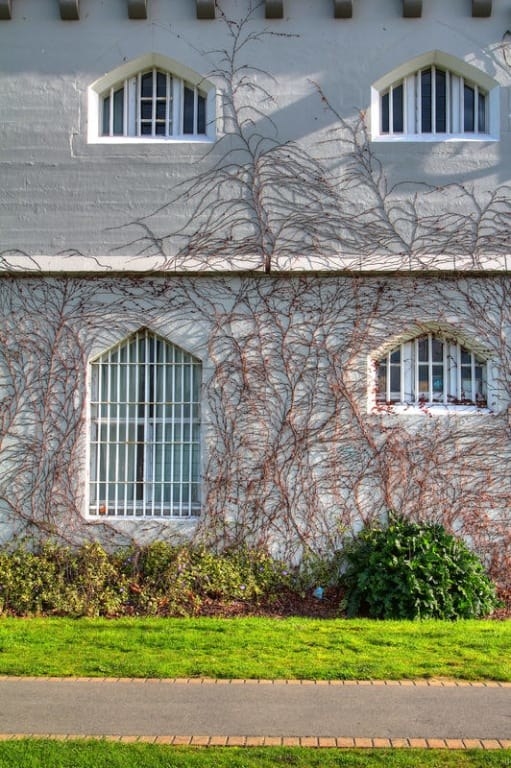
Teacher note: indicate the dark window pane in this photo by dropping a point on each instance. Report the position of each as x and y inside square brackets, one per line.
[119, 112]
[395, 356]
[440, 101]
[160, 110]
[395, 379]
[385, 124]
[382, 380]
[146, 110]
[106, 116]
[426, 101]
[160, 129]
[437, 349]
[146, 129]
[397, 109]
[146, 89]
[469, 109]
[481, 113]
[188, 110]
[201, 114]
[161, 84]
[423, 349]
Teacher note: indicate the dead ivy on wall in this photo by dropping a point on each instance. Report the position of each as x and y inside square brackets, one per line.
[294, 458]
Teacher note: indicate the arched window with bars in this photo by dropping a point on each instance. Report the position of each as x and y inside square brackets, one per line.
[145, 430]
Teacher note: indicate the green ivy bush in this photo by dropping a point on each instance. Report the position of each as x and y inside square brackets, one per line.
[409, 570]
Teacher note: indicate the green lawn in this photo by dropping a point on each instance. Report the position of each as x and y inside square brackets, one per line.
[256, 648]
[99, 754]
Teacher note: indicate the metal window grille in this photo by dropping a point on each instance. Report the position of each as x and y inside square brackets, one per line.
[430, 370]
[443, 103]
[145, 430]
[153, 104]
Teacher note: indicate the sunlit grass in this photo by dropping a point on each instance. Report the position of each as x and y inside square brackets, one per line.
[39, 753]
[256, 648]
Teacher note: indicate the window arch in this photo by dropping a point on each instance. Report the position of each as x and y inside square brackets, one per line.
[435, 97]
[431, 369]
[151, 98]
[145, 430]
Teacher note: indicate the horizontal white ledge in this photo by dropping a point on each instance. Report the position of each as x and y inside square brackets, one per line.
[68, 263]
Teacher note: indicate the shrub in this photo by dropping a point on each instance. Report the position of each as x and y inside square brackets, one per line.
[410, 570]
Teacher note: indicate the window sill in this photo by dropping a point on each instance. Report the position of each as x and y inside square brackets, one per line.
[439, 138]
[434, 409]
[158, 141]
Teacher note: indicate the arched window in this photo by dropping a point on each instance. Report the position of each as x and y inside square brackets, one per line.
[438, 98]
[151, 99]
[145, 430]
[431, 369]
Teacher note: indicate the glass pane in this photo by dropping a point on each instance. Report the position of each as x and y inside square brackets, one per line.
[146, 110]
[160, 129]
[397, 109]
[395, 378]
[188, 110]
[385, 119]
[469, 109]
[106, 116]
[426, 101]
[395, 356]
[146, 129]
[438, 381]
[437, 351]
[481, 113]
[423, 349]
[160, 110]
[440, 101]
[201, 114]
[146, 85]
[161, 84]
[423, 379]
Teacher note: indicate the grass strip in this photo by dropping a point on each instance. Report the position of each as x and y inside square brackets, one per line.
[256, 648]
[41, 753]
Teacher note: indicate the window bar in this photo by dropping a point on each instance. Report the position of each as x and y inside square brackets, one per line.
[173, 429]
[98, 436]
[125, 126]
[181, 442]
[128, 426]
[462, 104]
[448, 121]
[117, 427]
[418, 81]
[162, 426]
[191, 437]
[138, 106]
[433, 99]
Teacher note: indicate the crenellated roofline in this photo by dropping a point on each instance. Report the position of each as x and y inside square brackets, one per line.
[274, 9]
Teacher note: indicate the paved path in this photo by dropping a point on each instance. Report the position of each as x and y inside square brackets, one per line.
[209, 712]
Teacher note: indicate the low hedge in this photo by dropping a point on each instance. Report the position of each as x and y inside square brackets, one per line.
[158, 579]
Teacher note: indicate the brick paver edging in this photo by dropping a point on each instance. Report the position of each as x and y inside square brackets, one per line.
[429, 682]
[316, 742]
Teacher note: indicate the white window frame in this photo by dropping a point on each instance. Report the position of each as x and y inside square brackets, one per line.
[128, 77]
[456, 375]
[144, 447]
[458, 74]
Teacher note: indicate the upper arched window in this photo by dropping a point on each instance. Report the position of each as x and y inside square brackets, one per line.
[150, 99]
[434, 98]
[431, 369]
